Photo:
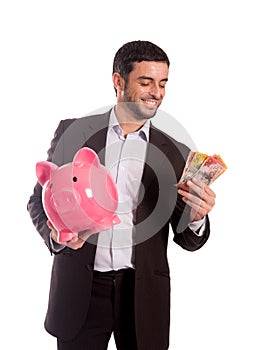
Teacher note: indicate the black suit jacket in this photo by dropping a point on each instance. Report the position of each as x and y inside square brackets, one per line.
[159, 208]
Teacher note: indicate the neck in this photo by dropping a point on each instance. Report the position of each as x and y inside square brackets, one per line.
[127, 121]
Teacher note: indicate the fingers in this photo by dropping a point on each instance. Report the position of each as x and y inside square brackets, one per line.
[75, 243]
[53, 233]
[199, 192]
[200, 197]
[200, 188]
[50, 225]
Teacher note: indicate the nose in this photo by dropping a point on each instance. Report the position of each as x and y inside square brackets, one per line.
[156, 92]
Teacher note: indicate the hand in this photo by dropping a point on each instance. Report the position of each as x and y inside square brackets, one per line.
[199, 197]
[75, 243]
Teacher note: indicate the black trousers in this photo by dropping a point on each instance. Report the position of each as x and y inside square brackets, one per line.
[111, 311]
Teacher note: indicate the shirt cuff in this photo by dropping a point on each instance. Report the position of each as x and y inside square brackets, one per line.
[56, 247]
[198, 227]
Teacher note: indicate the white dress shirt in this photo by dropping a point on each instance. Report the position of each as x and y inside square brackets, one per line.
[124, 159]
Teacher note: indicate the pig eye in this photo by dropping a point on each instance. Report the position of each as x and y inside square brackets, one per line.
[51, 185]
[75, 179]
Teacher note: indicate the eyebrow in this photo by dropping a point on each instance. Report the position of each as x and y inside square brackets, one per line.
[144, 77]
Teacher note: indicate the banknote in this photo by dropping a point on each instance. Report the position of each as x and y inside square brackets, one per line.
[193, 163]
[202, 167]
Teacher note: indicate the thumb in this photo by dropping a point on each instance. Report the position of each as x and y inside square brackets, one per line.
[75, 239]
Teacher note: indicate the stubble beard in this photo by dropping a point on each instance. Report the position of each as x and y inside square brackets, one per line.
[138, 110]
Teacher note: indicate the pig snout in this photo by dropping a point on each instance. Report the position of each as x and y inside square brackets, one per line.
[65, 201]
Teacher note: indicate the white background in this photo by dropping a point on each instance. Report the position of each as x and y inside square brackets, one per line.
[56, 61]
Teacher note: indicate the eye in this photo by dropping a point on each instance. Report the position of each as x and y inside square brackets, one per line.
[144, 84]
[51, 185]
[75, 179]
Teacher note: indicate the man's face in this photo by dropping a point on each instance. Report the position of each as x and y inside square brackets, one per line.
[144, 91]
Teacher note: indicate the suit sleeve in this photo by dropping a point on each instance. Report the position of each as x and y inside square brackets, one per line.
[35, 206]
[183, 235]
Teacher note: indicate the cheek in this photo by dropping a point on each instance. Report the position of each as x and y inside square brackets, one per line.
[143, 90]
[138, 92]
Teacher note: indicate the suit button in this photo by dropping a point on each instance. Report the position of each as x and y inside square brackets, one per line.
[89, 267]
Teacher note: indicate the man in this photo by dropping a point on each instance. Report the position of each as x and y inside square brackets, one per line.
[118, 280]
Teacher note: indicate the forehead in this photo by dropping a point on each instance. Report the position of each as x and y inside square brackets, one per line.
[154, 70]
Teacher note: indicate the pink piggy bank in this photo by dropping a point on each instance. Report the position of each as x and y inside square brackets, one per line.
[78, 196]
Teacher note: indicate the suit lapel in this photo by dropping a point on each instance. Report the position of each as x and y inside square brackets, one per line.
[157, 147]
[95, 134]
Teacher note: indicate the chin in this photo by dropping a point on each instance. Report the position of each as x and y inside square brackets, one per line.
[148, 112]
[141, 111]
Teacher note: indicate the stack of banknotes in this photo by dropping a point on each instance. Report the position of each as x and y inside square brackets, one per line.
[202, 167]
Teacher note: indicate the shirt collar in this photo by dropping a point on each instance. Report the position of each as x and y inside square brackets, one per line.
[114, 124]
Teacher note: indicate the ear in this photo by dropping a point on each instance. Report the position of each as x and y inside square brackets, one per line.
[85, 156]
[44, 170]
[118, 81]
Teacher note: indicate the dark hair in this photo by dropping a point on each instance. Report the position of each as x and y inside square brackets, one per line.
[136, 51]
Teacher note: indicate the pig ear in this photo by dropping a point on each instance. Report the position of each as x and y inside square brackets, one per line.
[44, 170]
[86, 155]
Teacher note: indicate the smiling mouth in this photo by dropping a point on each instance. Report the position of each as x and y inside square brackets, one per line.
[151, 103]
